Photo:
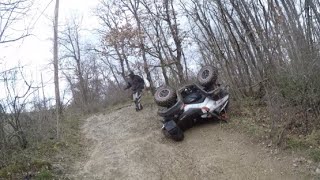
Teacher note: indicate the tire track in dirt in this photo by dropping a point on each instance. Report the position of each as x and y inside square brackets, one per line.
[129, 145]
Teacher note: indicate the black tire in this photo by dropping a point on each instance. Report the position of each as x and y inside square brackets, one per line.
[186, 124]
[165, 96]
[207, 76]
[176, 134]
[166, 133]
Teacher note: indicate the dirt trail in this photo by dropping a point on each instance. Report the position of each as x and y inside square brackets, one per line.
[129, 145]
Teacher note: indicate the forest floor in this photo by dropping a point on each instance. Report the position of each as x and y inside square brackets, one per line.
[124, 144]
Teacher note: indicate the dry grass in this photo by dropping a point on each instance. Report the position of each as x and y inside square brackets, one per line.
[255, 120]
[39, 160]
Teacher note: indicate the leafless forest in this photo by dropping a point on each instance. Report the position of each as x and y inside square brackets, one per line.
[266, 50]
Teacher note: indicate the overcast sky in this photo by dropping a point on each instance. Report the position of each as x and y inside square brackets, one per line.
[35, 51]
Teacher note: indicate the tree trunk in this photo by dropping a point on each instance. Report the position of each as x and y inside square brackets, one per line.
[315, 11]
[309, 21]
[249, 33]
[82, 83]
[56, 68]
[2, 132]
[242, 39]
[175, 35]
[22, 139]
[143, 51]
[121, 62]
[125, 57]
[163, 69]
[113, 74]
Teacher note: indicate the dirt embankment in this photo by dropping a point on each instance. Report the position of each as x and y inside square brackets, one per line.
[129, 145]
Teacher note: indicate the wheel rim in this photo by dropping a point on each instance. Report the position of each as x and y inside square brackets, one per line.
[164, 93]
[205, 74]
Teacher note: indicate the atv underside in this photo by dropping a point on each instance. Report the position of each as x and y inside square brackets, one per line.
[181, 108]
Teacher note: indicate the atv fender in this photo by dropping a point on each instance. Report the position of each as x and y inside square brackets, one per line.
[172, 111]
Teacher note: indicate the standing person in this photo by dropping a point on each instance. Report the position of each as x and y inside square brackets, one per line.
[136, 83]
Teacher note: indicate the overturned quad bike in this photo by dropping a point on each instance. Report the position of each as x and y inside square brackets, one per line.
[181, 108]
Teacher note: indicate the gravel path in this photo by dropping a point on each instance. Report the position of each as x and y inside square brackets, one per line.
[129, 145]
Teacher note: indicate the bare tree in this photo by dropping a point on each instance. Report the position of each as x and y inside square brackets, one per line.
[72, 51]
[170, 16]
[116, 36]
[134, 7]
[12, 12]
[159, 32]
[273, 45]
[14, 105]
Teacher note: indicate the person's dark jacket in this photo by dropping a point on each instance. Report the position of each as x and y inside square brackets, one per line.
[135, 82]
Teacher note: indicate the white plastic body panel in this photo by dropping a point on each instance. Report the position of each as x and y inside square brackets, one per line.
[207, 104]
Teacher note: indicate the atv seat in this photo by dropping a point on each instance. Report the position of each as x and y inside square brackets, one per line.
[191, 98]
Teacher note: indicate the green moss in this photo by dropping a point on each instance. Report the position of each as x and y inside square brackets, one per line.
[294, 143]
[315, 155]
[45, 148]
[10, 170]
[22, 167]
[314, 137]
[44, 175]
[40, 164]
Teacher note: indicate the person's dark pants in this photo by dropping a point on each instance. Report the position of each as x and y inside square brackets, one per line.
[137, 99]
